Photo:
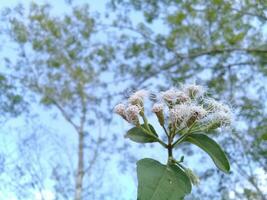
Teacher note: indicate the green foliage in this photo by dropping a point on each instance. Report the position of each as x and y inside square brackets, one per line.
[264, 136]
[212, 148]
[158, 182]
[59, 63]
[177, 18]
[11, 102]
[142, 134]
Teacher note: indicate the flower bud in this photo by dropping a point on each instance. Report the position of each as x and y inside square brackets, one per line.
[158, 110]
[170, 96]
[132, 112]
[137, 98]
[194, 91]
[120, 109]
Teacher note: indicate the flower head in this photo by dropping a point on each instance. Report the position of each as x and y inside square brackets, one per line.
[186, 114]
[215, 106]
[120, 109]
[194, 91]
[170, 96]
[222, 118]
[157, 107]
[219, 116]
[182, 97]
[179, 114]
[158, 110]
[132, 112]
[197, 111]
[137, 98]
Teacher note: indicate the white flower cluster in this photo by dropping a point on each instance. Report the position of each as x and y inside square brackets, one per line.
[184, 115]
[187, 106]
[219, 114]
[131, 111]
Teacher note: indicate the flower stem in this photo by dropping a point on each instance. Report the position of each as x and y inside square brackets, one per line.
[145, 121]
[165, 130]
[184, 136]
[155, 137]
[170, 147]
[180, 139]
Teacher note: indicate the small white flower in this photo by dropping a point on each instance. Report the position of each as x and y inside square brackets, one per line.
[216, 106]
[158, 110]
[220, 115]
[185, 114]
[120, 109]
[137, 98]
[193, 90]
[223, 118]
[170, 96]
[218, 119]
[182, 97]
[174, 96]
[132, 112]
[197, 111]
[179, 114]
[157, 107]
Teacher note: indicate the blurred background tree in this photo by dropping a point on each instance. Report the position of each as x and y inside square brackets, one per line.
[73, 65]
[59, 62]
[11, 102]
[222, 45]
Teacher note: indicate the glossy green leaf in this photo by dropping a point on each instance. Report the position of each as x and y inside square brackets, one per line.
[141, 136]
[161, 182]
[212, 148]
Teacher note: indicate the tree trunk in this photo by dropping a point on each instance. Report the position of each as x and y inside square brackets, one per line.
[80, 169]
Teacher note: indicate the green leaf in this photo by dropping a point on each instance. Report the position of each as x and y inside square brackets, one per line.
[141, 136]
[233, 39]
[264, 136]
[158, 182]
[151, 128]
[177, 18]
[212, 148]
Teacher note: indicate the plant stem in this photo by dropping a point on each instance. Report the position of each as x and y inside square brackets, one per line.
[170, 147]
[145, 121]
[156, 138]
[165, 130]
[180, 139]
